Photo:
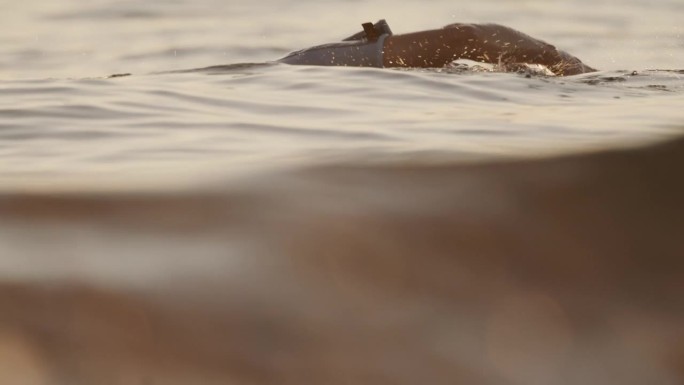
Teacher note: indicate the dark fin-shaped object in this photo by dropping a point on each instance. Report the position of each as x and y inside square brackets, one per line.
[369, 30]
[376, 30]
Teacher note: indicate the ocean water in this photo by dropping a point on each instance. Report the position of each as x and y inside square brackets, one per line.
[64, 121]
[176, 208]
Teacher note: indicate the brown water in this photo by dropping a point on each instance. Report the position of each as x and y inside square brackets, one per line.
[267, 224]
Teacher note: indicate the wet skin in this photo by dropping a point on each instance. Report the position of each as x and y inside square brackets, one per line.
[488, 43]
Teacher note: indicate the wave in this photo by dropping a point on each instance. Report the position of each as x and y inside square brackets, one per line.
[487, 273]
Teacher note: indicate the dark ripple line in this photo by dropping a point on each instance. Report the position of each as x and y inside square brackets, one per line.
[39, 90]
[220, 69]
[309, 132]
[69, 111]
[31, 134]
[281, 109]
[106, 14]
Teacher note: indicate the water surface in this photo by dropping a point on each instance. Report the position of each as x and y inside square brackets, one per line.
[215, 217]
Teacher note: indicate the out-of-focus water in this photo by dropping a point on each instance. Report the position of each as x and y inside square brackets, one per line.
[215, 216]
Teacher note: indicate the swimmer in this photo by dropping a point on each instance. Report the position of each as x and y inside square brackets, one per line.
[376, 46]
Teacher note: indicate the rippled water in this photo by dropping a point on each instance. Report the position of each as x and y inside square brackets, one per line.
[61, 117]
[341, 224]
[229, 118]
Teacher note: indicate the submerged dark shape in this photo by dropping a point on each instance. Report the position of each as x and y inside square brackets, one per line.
[377, 46]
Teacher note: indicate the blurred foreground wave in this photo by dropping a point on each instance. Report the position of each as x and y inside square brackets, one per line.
[562, 270]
